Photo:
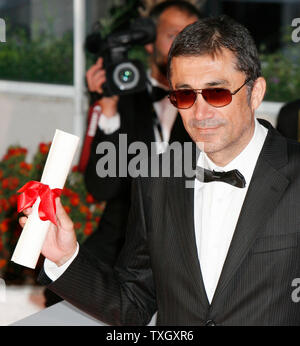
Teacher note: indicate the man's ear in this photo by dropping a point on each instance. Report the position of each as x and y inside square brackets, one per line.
[258, 92]
[149, 48]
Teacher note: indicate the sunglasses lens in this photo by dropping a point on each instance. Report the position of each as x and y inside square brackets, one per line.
[183, 99]
[217, 97]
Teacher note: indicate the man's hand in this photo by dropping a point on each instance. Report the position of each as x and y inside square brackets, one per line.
[96, 77]
[60, 243]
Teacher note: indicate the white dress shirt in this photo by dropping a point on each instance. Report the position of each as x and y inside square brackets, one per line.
[217, 206]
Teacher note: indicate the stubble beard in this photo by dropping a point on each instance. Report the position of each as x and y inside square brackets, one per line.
[225, 147]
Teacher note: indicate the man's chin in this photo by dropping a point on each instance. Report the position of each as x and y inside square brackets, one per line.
[208, 147]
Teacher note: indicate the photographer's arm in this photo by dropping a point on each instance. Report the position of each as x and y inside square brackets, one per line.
[96, 77]
[107, 131]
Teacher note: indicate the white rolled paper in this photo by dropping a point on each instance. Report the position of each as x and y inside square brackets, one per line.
[55, 173]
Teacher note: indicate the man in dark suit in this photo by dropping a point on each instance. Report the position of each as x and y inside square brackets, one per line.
[144, 116]
[288, 122]
[224, 251]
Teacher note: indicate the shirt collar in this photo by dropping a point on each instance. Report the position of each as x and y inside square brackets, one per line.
[245, 162]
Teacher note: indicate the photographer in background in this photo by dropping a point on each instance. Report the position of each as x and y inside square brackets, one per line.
[288, 121]
[145, 116]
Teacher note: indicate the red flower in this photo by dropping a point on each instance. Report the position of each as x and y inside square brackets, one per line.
[3, 263]
[4, 225]
[89, 215]
[84, 209]
[5, 183]
[26, 166]
[10, 183]
[90, 198]
[88, 229]
[13, 200]
[75, 201]
[44, 148]
[67, 192]
[77, 225]
[75, 169]
[14, 152]
[67, 209]
[4, 204]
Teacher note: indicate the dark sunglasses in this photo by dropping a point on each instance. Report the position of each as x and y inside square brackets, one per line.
[217, 97]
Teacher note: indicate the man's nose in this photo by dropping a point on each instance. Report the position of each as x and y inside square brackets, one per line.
[202, 109]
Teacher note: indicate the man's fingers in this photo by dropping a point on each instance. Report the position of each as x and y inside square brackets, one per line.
[27, 211]
[99, 62]
[96, 80]
[96, 83]
[62, 216]
[22, 221]
[92, 70]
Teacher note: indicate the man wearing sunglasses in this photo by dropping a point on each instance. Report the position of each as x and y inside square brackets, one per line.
[224, 252]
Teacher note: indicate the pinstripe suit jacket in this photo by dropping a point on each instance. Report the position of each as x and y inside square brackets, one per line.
[158, 269]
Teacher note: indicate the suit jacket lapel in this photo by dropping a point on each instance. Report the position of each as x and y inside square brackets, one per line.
[265, 190]
[181, 202]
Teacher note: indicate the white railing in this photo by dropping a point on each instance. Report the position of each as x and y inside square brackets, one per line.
[40, 89]
[269, 110]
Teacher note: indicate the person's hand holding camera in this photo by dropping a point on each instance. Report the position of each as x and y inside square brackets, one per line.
[95, 76]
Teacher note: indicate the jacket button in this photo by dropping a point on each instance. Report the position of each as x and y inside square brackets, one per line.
[210, 323]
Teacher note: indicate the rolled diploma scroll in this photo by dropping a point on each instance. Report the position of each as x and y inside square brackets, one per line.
[55, 173]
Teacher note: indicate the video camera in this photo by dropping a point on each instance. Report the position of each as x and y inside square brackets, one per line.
[123, 76]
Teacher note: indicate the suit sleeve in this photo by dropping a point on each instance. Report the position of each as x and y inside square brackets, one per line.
[123, 295]
[287, 121]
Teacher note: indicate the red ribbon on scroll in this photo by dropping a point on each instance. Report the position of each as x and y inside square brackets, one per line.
[29, 194]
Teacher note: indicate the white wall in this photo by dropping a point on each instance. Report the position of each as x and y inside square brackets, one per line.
[30, 119]
[269, 111]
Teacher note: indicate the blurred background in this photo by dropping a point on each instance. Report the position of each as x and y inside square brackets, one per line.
[42, 88]
[39, 67]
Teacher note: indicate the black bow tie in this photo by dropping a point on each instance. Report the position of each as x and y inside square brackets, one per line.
[233, 177]
[158, 93]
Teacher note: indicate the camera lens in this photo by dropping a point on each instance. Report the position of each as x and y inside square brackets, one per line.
[126, 76]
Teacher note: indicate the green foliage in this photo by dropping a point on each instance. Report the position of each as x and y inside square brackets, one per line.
[44, 59]
[120, 15]
[282, 71]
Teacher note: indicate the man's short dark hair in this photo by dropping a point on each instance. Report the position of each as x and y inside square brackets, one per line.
[181, 5]
[212, 34]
